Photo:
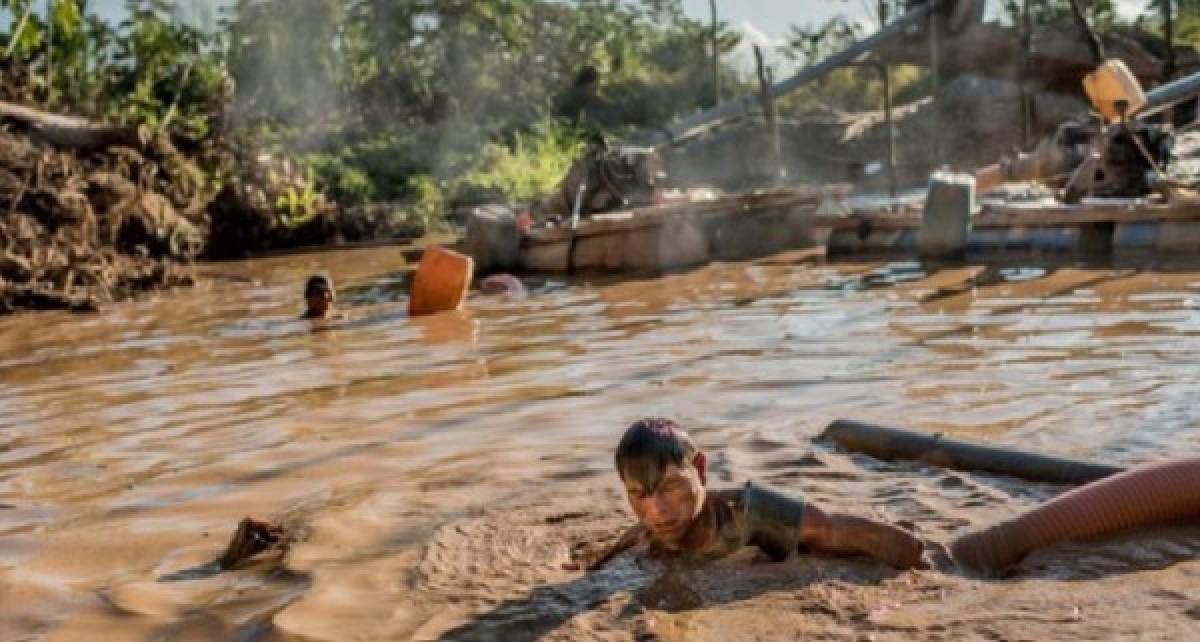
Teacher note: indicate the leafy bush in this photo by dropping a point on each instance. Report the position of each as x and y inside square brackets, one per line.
[346, 183]
[428, 203]
[296, 207]
[532, 165]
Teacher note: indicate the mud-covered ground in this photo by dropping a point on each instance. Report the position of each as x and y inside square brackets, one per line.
[498, 571]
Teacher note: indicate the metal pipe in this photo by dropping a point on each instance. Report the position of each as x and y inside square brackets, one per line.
[892, 444]
[743, 105]
[576, 212]
[1167, 95]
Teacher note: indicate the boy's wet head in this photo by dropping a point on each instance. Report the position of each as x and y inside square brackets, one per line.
[664, 477]
[648, 447]
[318, 295]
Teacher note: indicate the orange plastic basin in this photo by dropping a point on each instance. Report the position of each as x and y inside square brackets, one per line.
[441, 282]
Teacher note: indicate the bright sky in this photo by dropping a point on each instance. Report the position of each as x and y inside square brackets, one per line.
[766, 22]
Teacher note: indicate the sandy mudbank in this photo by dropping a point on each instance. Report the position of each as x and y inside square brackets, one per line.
[499, 576]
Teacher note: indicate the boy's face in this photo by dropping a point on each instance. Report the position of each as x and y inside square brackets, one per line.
[667, 510]
[319, 302]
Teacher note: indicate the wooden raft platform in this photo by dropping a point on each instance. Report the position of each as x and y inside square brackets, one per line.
[754, 225]
[660, 237]
[1088, 228]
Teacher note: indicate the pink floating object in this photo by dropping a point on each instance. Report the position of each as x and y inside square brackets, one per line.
[502, 284]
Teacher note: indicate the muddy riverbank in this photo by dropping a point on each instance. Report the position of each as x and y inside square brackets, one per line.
[442, 470]
[86, 226]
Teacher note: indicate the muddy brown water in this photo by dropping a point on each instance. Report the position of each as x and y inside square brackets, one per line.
[441, 470]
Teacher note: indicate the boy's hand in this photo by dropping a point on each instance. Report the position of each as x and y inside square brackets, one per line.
[586, 558]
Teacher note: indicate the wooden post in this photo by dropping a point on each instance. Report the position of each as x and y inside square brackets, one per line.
[1169, 34]
[716, 54]
[1089, 34]
[768, 107]
[886, 72]
[935, 77]
[1026, 55]
[49, 51]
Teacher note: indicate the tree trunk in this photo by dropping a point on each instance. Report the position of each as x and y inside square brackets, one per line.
[1169, 34]
[69, 131]
[768, 107]
[49, 51]
[716, 54]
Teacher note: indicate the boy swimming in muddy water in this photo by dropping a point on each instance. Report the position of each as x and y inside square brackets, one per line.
[665, 475]
[319, 294]
[319, 297]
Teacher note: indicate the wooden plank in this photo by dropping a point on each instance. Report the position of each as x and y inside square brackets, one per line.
[1085, 214]
[992, 216]
[628, 220]
[900, 219]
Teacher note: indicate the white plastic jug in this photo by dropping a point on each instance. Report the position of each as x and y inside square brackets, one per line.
[1112, 82]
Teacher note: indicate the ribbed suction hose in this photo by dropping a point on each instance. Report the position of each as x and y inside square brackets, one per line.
[1149, 494]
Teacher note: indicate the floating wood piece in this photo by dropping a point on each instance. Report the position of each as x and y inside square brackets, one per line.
[253, 536]
[895, 444]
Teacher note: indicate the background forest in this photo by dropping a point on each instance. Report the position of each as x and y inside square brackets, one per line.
[425, 100]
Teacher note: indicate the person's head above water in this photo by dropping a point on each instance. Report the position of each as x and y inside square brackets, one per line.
[318, 296]
[664, 476]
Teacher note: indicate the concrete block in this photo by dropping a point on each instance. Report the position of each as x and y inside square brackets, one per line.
[493, 240]
[1136, 236]
[1181, 236]
[946, 221]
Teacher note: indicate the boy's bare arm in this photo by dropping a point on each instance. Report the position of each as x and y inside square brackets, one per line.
[843, 534]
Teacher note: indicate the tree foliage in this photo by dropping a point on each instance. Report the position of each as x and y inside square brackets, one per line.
[455, 92]
[389, 89]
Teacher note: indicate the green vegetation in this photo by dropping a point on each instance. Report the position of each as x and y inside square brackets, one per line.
[532, 164]
[390, 101]
[394, 100]
[297, 206]
[463, 94]
[428, 204]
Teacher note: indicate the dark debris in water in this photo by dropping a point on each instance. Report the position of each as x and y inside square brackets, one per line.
[253, 536]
